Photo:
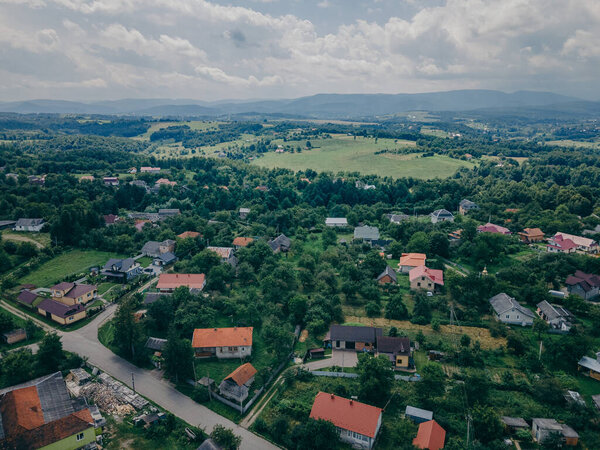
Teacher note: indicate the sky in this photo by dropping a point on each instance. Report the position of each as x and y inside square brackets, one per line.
[257, 49]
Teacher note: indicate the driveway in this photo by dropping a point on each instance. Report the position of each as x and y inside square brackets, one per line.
[85, 342]
[340, 358]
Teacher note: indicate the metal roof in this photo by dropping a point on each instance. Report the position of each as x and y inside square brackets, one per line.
[418, 412]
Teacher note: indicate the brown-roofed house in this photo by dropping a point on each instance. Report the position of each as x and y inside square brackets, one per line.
[26, 297]
[239, 242]
[223, 343]
[409, 261]
[236, 385]
[60, 312]
[71, 294]
[584, 285]
[168, 282]
[188, 234]
[531, 235]
[397, 349]
[225, 253]
[358, 422]
[430, 436]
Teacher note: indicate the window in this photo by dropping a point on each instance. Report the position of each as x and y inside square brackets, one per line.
[517, 316]
[419, 284]
[80, 437]
[508, 316]
[71, 318]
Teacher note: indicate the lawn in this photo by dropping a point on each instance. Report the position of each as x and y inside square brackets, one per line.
[19, 322]
[69, 263]
[144, 261]
[194, 125]
[345, 153]
[40, 240]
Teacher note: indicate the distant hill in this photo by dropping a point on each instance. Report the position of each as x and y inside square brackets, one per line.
[338, 106]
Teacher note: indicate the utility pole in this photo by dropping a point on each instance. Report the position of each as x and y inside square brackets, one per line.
[540, 353]
[468, 429]
[132, 382]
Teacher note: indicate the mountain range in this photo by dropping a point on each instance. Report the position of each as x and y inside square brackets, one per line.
[338, 106]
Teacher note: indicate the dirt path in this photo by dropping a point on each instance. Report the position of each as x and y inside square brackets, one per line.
[255, 413]
[21, 238]
[22, 315]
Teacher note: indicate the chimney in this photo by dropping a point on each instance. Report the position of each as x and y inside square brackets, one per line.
[598, 356]
[332, 396]
[351, 402]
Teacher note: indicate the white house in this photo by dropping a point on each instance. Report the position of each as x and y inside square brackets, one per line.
[224, 343]
[508, 310]
[336, 222]
[29, 225]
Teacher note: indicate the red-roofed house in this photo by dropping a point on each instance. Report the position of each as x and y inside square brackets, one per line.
[423, 277]
[110, 219]
[236, 385]
[357, 423]
[168, 282]
[409, 261]
[223, 343]
[560, 244]
[492, 228]
[585, 285]
[430, 436]
[582, 244]
[239, 242]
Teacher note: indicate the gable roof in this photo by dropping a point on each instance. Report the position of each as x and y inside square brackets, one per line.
[352, 333]
[492, 228]
[366, 232]
[151, 247]
[435, 275]
[390, 272]
[430, 436]
[120, 265]
[175, 280]
[468, 204]
[532, 232]
[29, 222]
[517, 422]
[242, 241]
[155, 343]
[587, 281]
[188, 234]
[553, 312]
[396, 345]
[561, 243]
[223, 252]
[242, 374]
[412, 259]
[396, 218]
[347, 414]
[60, 309]
[336, 221]
[280, 242]
[110, 219]
[578, 240]
[418, 412]
[27, 297]
[80, 289]
[222, 337]
[167, 258]
[503, 302]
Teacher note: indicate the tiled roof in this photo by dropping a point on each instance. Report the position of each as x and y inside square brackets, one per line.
[222, 337]
[412, 259]
[242, 374]
[578, 240]
[553, 312]
[175, 280]
[188, 234]
[435, 275]
[430, 436]
[223, 252]
[532, 232]
[120, 265]
[63, 286]
[492, 228]
[80, 289]
[347, 414]
[585, 280]
[242, 241]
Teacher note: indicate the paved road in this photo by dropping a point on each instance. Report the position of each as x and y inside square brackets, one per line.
[85, 342]
[338, 358]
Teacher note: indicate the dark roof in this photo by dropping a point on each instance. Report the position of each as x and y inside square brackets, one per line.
[167, 258]
[388, 271]
[209, 444]
[59, 309]
[119, 265]
[442, 213]
[281, 242]
[553, 312]
[351, 333]
[29, 222]
[516, 422]
[468, 204]
[151, 297]
[396, 345]
[27, 297]
[368, 233]
[587, 281]
[155, 343]
[503, 302]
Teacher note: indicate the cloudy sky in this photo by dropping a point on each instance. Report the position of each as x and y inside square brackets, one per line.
[220, 49]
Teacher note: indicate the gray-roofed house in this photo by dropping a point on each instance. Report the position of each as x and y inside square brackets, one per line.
[243, 212]
[585, 285]
[514, 423]
[163, 213]
[556, 316]
[366, 233]
[336, 222]
[7, 224]
[122, 269]
[387, 276]
[281, 243]
[508, 310]
[26, 297]
[209, 444]
[418, 415]
[353, 338]
[156, 344]
[441, 215]
[154, 248]
[596, 400]
[542, 429]
[466, 205]
[397, 218]
[32, 225]
[590, 366]
[397, 349]
[165, 259]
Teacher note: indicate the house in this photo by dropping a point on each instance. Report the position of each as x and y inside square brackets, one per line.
[430, 436]
[150, 169]
[26, 297]
[542, 429]
[240, 242]
[508, 310]
[163, 213]
[281, 243]
[41, 414]
[61, 313]
[596, 401]
[154, 249]
[397, 218]
[441, 215]
[397, 349]
[122, 270]
[72, 294]
[168, 282]
[209, 444]
[336, 222]
[584, 245]
[164, 182]
[353, 338]
[409, 261]
[86, 178]
[141, 184]
[531, 235]
[584, 285]
[514, 423]
[110, 181]
[466, 205]
[236, 385]
[225, 253]
[164, 259]
[556, 316]
[244, 213]
[423, 277]
[387, 276]
[356, 422]
[418, 415]
[132, 170]
[188, 235]
[455, 236]
[224, 343]
[574, 398]
[492, 228]
[156, 344]
[14, 336]
[559, 244]
[152, 297]
[366, 233]
[32, 225]
[590, 366]
[110, 219]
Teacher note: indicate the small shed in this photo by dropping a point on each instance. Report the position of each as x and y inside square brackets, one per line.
[80, 376]
[14, 336]
[316, 353]
[418, 415]
[514, 423]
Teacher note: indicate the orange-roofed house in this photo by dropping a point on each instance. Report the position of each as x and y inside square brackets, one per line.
[236, 385]
[223, 343]
[409, 261]
[530, 235]
[225, 253]
[356, 422]
[188, 234]
[240, 242]
[430, 436]
[423, 277]
[168, 282]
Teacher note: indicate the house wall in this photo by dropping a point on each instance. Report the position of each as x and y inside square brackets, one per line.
[385, 279]
[71, 443]
[406, 269]
[16, 338]
[571, 441]
[233, 352]
[514, 317]
[71, 319]
[29, 228]
[402, 360]
[356, 439]
[422, 283]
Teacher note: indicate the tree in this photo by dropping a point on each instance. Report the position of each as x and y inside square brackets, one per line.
[422, 309]
[315, 434]
[539, 327]
[329, 237]
[432, 382]
[6, 322]
[418, 243]
[127, 333]
[439, 244]
[486, 424]
[465, 340]
[17, 367]
[50, 354]
[178, 356]
[376, 378]
[373, 309]
[225, 438]
[395, 308]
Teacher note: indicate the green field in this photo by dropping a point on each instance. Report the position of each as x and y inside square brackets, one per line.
[343, 153]
[194, 125]
[572, 143]
[69, 263]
